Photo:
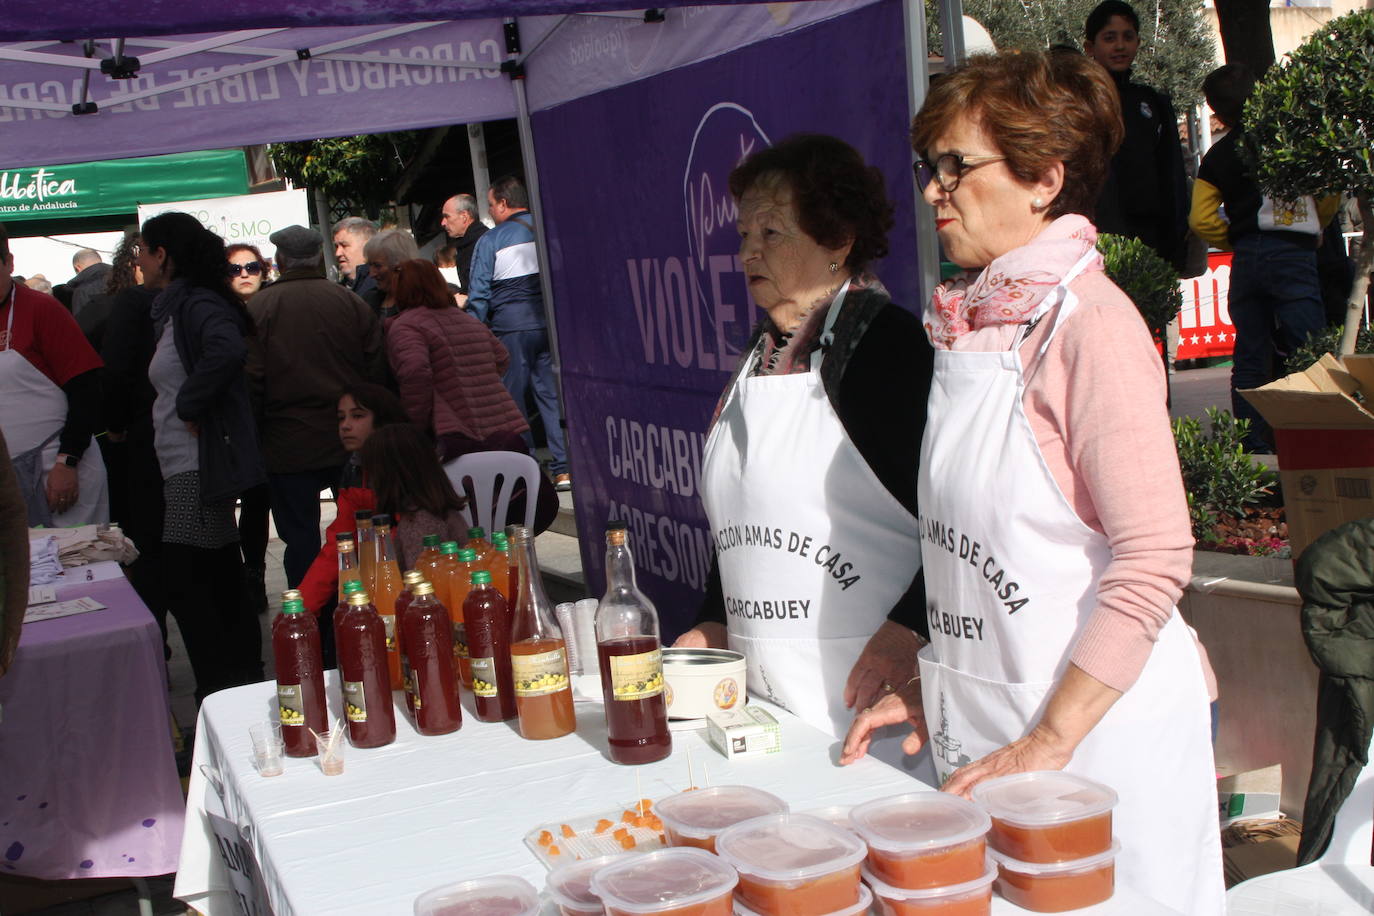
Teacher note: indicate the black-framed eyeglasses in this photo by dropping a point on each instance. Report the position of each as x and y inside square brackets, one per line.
[252, 269]
[948, 170]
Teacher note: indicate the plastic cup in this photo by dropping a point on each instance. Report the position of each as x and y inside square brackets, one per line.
[669, 882]
[694, 817]
[1060, 886]
[972, 898]
[498, 895]
[1047, 816]
[267, 748]
[794, 864]
[331, 753]
[923, 839]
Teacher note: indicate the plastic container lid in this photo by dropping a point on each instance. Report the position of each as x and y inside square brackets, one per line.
[1043, 797]
[919, 822]
[669, 879]
[834, 814]
[499, 895]
[706, 812]
[786, 848]
[859, 909]
[571, 885]
[1056, 869]
[930, 895]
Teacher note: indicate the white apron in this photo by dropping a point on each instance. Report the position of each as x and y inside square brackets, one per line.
[32, 412]
[1011, 577]
[813, 549]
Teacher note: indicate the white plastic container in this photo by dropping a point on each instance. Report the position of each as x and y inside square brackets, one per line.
[793, 864]
[967, 899]
[498, 895]
[1047, 816]
[570, 886]
[670, 882]
[923, 839]
[695, 817]
[1059, 886]
[701, 680]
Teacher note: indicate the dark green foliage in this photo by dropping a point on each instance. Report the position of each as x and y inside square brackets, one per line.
[363, 169]
[1219, 475]
[1327, 341]
[1150, 281]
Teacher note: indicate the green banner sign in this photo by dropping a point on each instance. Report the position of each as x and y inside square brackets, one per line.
[117, 187]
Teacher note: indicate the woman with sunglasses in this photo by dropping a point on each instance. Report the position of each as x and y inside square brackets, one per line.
[248, 270]
[1057, 538]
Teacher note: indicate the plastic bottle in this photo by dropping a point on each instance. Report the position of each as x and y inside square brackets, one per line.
[459, 586]
[409, 580]
[363, 673]
[487, 618]
[430, 563]
[631, 657]
[539, 662]
[477, 541]
[367, 549]
[499, 564]
[300, 678]
[448, 568]
[387, 588]
[427, 634]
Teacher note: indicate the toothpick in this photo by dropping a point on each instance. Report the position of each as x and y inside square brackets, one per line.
[639, 794]
[691, 780]
[705, 775]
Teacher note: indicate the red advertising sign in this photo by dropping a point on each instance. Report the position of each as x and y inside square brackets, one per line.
[1204, 324]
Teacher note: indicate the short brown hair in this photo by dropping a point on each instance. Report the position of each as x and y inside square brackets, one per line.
[839, 198]
[1037, 109]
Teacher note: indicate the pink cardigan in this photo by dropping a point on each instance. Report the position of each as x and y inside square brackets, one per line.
[1096, 405]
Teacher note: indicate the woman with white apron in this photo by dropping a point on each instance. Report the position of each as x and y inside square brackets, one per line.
[34, 410]
[1055, 530]
[815, 550]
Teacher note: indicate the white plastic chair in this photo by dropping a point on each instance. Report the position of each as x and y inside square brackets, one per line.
[488, 480]
[1341, 882]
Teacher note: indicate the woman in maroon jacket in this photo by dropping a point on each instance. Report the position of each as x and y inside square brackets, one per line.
[448, 366]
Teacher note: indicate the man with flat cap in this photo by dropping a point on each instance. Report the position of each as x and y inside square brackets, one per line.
[314, 338]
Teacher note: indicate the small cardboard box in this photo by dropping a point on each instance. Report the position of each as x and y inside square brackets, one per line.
[745, 731]
[1254, 795]
[1324, 433]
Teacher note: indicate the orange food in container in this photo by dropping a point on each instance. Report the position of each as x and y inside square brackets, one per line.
[570, 886]
[669, 882]
[923, 839]
[694, 817]
[971, 898]
[1047, 816]
[1059, 886]
[862, 908]
[499, 895]
[793, 864]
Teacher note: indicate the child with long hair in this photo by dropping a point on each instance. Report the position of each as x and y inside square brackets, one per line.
[403, 469]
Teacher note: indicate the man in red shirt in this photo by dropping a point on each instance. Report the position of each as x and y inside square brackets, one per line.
[49, 405]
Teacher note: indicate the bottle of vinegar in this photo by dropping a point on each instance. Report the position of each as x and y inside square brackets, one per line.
[409, 580]
[498, 562]
[539, 661]
[486, 617]
[631, 657]
[366, 682]
[427, 634]
[387, 588]
[300, 678]
[459, 587]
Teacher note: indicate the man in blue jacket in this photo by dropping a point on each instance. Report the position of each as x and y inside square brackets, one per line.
[505, 294]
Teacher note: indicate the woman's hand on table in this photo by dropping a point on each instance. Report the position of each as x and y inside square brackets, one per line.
[709, 635]
[902, 705]
[1036, 751]
[887, 663]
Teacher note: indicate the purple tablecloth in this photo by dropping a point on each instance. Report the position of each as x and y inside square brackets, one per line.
[88, 782]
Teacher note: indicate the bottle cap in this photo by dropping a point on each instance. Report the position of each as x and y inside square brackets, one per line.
[615, 534]
[615, 525]
[380, 519]
[430, 540]
[290, 594]
[412, 576]
[359, 598]
[449, 547]
[467, 555]
[363, 515]
[422, 588]
[343, 536]
[294, 606]
[500, 541]
[351, 586]
[477, 533]
[481, 577]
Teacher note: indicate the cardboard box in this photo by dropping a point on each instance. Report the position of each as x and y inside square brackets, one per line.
[1249, 796]
[1324, 433]
[743, 732]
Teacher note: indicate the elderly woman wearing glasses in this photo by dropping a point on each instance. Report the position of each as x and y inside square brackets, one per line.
[247, 270]
[1055, 530]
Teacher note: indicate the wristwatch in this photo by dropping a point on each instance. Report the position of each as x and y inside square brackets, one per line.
[70, 461]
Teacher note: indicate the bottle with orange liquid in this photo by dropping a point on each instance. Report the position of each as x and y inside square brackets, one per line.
[367, 548]
[477, 541]
[448, 568]
[459, 587]
[539, 660]
[498, 564]
[388, 587]
[430, 563]
[347, 548]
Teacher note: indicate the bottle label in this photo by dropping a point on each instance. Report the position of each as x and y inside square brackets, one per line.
[290, 704]
[537, 675]
[389, 620]
[413, 687]
[637, 677]
[460, 641]
[355, 701]
[484, 677]
[406, 682]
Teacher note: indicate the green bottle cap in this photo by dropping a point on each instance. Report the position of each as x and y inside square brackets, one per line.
[430, 540]
[481, 577]
[351, 586]
[295, 606]
[467, 555]
[449, 547]
[500, 541]
[477, 532]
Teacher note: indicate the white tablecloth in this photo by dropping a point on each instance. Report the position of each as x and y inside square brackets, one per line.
[428, 811]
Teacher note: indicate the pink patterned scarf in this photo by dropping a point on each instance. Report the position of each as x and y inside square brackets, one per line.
[1008, 290]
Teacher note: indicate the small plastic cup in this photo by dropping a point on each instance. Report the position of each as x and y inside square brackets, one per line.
[267, 748]
[861, 908]
[499, 895]
[570, 886]
[971, 898]
[694, 817]
[793, 864]
[923, 839]
[668, 882]
[1047, 816]
[1054, 888]
[331, 753]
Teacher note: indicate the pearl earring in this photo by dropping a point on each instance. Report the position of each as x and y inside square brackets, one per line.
[834, 268]
[1037, 204]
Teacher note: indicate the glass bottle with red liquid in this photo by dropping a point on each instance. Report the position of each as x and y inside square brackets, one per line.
[349, 572]
[499, 565]
[513, 556]
[486, 616]
[427, 634]
[631, 657]
[349, 589]
[387, 587]
[409, 580]
[300, 678]
[366, 682]
[539, 660]
[465, 564]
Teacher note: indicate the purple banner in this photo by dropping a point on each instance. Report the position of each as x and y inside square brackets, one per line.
[651, 305]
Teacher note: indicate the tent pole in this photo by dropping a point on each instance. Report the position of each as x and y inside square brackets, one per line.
[918, 82]
[952, 32]
[481, 179]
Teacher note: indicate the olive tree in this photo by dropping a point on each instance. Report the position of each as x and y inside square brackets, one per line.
[1310, 123]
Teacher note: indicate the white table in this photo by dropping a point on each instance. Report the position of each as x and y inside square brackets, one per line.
[428, 811]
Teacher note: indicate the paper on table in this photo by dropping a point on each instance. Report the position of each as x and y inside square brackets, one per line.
[42, 594]
[58, 609]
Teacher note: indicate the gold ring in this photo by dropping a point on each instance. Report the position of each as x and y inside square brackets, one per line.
[888, 687]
